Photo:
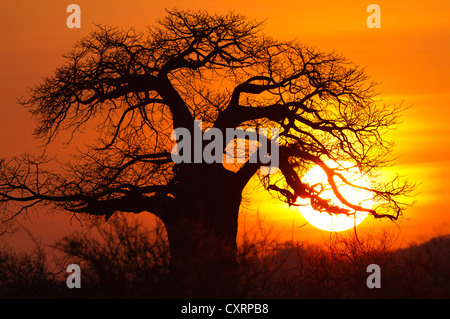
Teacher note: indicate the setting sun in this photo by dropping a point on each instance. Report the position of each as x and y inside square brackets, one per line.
[360, 197]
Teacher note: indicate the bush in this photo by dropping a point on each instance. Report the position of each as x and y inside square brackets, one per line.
[123, 259]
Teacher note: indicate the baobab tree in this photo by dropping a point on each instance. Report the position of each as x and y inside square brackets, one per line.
[136, 88]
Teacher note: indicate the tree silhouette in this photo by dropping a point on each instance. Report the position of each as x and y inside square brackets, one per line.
[136, 88]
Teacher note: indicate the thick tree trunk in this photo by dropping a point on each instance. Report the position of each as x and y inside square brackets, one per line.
[202, 236]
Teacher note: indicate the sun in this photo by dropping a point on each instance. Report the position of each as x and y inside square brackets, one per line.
[333, 222]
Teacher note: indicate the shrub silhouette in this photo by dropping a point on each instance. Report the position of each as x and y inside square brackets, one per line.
[121, 258]
[26, 275]
[124, 259]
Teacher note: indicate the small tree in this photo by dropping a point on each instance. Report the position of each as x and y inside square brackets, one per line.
[136, 88]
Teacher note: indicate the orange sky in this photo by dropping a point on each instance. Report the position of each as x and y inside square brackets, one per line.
[408, 55]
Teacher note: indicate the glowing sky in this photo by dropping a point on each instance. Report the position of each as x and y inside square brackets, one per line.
[409, 55]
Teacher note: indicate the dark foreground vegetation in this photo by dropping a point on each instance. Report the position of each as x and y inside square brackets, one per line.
[126, 260]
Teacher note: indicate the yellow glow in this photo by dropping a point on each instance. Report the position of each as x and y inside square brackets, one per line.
[333, 222]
